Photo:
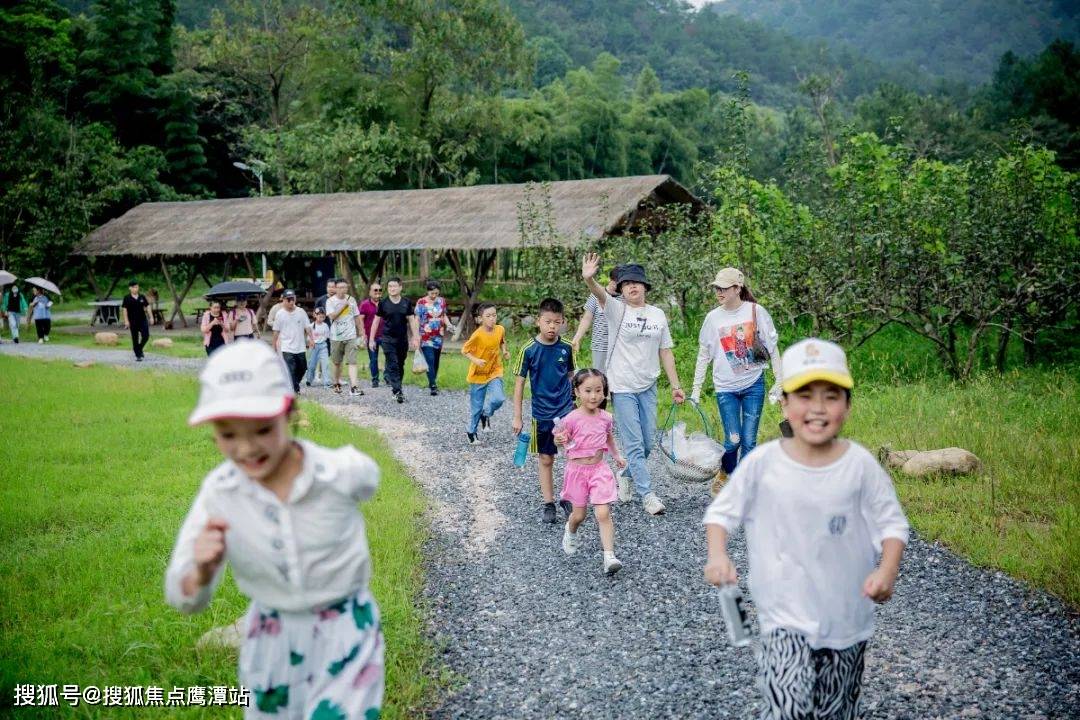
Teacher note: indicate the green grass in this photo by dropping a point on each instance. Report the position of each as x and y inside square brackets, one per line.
[99, 470]
[184, 346]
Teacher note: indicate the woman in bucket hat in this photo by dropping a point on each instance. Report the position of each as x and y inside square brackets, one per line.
[739, 339]
[639, 343]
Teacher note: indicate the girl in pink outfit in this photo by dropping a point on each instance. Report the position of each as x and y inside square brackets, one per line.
[586, 434]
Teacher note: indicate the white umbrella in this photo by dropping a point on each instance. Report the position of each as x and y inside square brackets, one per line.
[43, 284]
[6, 278]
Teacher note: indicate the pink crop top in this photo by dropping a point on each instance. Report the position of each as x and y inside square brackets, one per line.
[586, 434]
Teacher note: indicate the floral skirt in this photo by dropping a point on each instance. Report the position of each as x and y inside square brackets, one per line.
[318, 665]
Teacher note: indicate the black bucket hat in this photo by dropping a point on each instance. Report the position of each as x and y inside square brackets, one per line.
[631, 272]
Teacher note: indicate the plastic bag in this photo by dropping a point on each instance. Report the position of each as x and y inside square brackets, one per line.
[703, 451]
[419, 364]
[695, 449]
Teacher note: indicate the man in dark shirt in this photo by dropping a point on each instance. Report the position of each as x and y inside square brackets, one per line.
[320, 302]
[135, 318]
[400, 331]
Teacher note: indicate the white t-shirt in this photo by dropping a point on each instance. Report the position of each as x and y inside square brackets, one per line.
[291, 327]
[727, 340]
[344, 327]
[294, 555]
[320, 331]
[812, 535]
[635, 338]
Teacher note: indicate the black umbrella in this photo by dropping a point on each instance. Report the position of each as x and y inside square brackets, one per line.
[232, 288]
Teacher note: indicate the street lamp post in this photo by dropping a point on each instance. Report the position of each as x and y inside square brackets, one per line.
[256, 168]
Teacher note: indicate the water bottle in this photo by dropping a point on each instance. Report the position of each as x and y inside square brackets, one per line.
[522, 450]
[735, 617]
[560, 427]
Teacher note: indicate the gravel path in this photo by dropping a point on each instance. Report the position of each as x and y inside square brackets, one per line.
[531, 633]
[104, 356]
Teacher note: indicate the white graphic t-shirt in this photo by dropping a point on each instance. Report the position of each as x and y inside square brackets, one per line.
[635, 338]
[728, 337]
[343, 327]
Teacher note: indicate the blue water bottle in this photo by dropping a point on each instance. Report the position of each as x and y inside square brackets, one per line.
[522, 450]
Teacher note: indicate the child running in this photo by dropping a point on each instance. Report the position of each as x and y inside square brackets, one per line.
[585, 434]
[284, 514]
[548, 361]
[486, 349]
[817, 509]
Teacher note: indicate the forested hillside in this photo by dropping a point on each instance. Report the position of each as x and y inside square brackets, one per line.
[956, 40]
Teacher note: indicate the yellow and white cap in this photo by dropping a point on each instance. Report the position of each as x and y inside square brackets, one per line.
[814, 359]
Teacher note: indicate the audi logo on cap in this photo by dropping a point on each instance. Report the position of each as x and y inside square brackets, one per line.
[235, 376]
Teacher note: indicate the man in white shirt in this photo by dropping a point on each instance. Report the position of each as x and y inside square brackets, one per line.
[292, 337]
[346, 325]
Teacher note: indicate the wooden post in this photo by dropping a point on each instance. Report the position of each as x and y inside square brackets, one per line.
[425, 264]
[345, 270]
[470, 287]
[178, 298]
[251, 270]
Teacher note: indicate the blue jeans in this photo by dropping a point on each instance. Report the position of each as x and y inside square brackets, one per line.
[320, 356]
[373, 363]
[740, 412]
[432, 355]
[484, 399]
[13, 324]
[635, 424]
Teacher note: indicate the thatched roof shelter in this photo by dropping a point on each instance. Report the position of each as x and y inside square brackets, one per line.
[478, 217]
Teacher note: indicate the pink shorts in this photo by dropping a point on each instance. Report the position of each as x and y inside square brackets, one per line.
[589, 484]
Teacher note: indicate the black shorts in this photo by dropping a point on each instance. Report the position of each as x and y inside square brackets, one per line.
[543, 437]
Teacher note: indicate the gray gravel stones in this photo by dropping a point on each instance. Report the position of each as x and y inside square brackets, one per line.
[123, 358]
[532, 633]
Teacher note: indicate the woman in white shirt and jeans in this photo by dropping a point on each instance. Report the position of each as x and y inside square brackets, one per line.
[284, 514]
[727, 340]
[639, 342]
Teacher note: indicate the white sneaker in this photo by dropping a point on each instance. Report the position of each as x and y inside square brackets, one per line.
[626, 493]
[612, 564]
[569, 541]
[652, 504]
[40, 341]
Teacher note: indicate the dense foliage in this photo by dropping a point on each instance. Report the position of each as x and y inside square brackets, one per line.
[956, 40]
[102, 111]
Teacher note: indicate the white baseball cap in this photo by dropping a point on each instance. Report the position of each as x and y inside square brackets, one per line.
[813, 359]
[244, 379]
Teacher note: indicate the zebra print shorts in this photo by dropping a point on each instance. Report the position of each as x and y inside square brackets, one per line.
[800, 683]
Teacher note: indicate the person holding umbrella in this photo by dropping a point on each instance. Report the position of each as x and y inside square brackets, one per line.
[13, 307]
[134, 307]
[41, 314]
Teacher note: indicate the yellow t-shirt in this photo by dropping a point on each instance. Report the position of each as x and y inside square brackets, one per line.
[485, 345]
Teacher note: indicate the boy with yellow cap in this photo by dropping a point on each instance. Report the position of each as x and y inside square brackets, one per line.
[817, 510]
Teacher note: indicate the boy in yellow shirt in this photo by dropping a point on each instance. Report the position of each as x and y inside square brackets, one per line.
[486, 349]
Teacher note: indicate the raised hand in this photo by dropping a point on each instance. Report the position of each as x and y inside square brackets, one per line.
[590, 265]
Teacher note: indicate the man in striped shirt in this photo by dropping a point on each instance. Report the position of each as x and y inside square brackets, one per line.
[594, 318]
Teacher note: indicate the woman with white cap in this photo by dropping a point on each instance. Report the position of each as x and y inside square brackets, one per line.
[283, 513]
[739, 339]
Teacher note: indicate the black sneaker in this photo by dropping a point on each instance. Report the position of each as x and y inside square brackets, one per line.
[400, 397]
[549, 513]
[138, 359]
[434, 391]
[567, 508]
[355, 391]
[374, 383]
[308, 383]
[485, 422]
[472, 438]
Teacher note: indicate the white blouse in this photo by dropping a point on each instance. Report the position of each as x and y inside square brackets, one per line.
[293, 556]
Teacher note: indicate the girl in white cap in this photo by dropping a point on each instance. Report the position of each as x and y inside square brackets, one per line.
[283, 513]
[817, 510]
[739, 339]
